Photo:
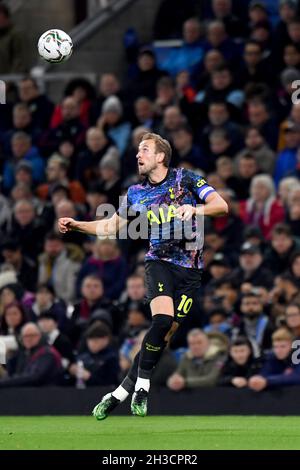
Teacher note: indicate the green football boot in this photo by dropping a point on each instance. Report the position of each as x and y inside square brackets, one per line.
[106, 405]
[139, 403]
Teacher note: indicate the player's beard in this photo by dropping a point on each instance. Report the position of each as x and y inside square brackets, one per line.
[144, 170]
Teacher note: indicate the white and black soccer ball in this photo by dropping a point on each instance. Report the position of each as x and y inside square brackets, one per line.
[55, 46]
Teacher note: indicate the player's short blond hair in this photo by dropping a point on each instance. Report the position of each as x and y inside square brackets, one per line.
[161, 145]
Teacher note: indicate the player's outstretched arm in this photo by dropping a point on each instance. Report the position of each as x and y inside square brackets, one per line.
[101, 228]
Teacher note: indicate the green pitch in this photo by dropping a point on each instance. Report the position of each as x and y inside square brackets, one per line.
[152, 432]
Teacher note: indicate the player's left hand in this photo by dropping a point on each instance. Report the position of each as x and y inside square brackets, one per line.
[185, 212]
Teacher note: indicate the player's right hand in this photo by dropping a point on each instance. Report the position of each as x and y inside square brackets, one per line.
[66, 224]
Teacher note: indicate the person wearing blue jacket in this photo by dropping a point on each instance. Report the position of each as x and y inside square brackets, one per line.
[286, 162]
[282, 366]
[22, 150]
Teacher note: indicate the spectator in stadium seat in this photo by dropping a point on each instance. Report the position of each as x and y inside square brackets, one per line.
[108, 263]
[36, 364]
[48, 324]
[109, 176]
[46, 302]
[200, 366]
[172, 120]
[212, 59]
[292, 319]
[256, 145]
[218, 321]
[135, 322]
[23, 175]
[166, 95]
[144, 114]
[189, 56]
[25, 267]
[109, 85]
[288, 10]
[22, 148]
[22, 122]
[56, 171]
[254, 236]
[185, 88]
[293, 29]
[70, 128]
[27, 228]
[219, 268]
[254, 324]
[40, 106]
[11, 291]
[94, 197]
[222, 10]
[5, 211]
[225, 295]
[220, 145]
[262, 293]
[286, 186]
[258, 13]
[285, 291]
[217, 38]
[222, 88]
[68, 152]
[13, 318]
[13, 58]
[246, 169]
[225, 169]
[262, 33]
[22, 190]
[251, 268]
[92, 300]
[135, 292]
[83, 92]
[285, 98]
[260, 117]
[279, 369]
[59, 265]
[214, 240]
[293, 210]
[113, 123]
[100, 358]
[295, 265]
[287, 159]
[283, 245]
[219, 117]
[185, 150]
[146, 77]
[294, 117]
[240, 365]
[262, 208]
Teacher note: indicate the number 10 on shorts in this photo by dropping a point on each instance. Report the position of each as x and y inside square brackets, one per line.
[184, 306]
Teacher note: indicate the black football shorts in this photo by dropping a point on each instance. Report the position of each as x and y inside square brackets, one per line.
[182, 284]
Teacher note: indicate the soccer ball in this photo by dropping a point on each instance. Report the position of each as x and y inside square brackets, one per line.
[55, 46]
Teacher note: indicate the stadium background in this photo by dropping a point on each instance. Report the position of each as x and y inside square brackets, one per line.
[215, 78]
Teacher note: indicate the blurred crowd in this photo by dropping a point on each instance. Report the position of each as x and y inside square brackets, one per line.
[72, 308]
